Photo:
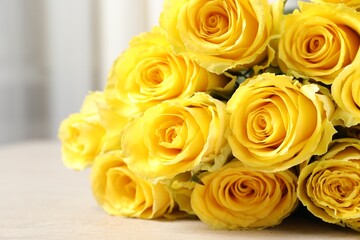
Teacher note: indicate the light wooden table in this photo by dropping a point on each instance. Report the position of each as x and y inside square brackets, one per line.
[41, 199]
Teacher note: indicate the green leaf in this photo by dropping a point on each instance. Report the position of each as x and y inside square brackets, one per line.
[195, 178]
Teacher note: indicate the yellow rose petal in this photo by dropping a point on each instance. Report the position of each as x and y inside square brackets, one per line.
[220, 35]
[345, 91]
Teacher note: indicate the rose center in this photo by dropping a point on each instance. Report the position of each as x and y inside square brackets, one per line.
[213, 21]
[315, 44]
[321, 43]
[154, 75]
[171, 133]
[336, 190]
[120, 186]
[247, 190]
[342, 190]
[261, 124]
[265, 124]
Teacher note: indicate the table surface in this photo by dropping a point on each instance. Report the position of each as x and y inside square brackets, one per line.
[41, 199]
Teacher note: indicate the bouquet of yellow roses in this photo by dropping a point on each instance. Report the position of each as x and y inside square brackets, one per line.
[230, 111]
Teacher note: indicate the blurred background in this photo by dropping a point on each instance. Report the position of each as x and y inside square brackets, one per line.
[53, 52]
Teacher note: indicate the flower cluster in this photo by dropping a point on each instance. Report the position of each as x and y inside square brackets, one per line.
[231, 111]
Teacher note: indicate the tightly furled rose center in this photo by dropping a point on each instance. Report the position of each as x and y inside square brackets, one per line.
[170, 135]
[153, 75]
[319, 44]
[338, 186]
[265, 123]
[213, 21]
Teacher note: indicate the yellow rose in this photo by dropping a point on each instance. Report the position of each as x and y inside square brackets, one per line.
[176, 136]
[81, 134]
[181, 187]
[276, 123]
[236, 197]
[121, 193]
[319, 41]
[114, 121]
[148, 72]
[330, 186]
[346, 94]
[220, 35]
[350, 3]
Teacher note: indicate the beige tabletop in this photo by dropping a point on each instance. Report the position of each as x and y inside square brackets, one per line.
[41, 199]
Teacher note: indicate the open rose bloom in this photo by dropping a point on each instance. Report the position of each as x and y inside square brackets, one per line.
[230, 111]
[237, 197]
[330, 186]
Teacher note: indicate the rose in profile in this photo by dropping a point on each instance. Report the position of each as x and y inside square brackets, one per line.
[319, 41]
[177, 136]
[220, 35]
[148, 72]
[121, 193]
[330, 186]
[82, 134]
[237, 197]
[277, 123]
[346, 94]
[181, 187]
[350, 3]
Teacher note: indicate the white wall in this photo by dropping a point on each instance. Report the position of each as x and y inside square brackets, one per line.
[118, 24]
[22, 87]
[69, 61]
